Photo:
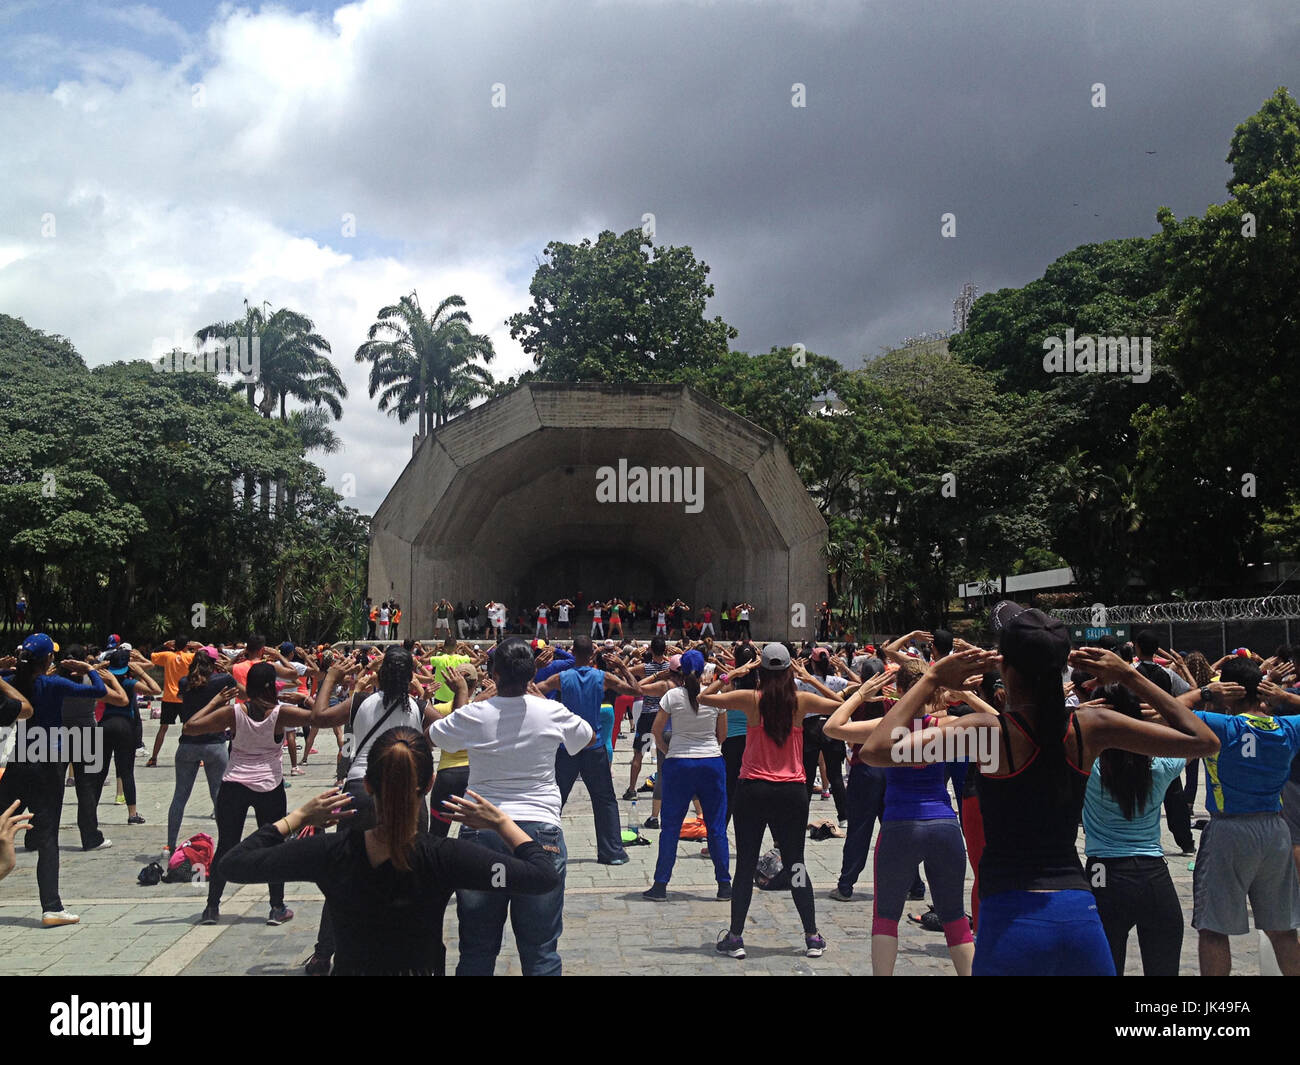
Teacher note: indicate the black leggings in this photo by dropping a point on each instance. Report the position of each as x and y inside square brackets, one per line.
[733, 753]
[901, 847]
[783, 808]
[1178, 816]
[815, 742]
[446, 783]
[119, 745]
[1139, 891]
[233, 803]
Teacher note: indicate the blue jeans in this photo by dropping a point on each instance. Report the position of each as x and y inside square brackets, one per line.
[214, 757]
[537, 920]
[685, 778]
[593, 766]
[865, 801]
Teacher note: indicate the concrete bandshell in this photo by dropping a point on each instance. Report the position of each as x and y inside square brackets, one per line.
[491, 495]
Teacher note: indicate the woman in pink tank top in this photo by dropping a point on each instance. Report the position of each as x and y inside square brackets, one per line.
[254, 778]
[771, 792]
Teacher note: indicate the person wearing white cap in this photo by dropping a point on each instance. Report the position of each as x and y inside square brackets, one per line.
[771, 792]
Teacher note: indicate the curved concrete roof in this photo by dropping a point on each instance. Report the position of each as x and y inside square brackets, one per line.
[488, 497]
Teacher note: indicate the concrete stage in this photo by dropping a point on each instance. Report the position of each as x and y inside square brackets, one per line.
[529, 498]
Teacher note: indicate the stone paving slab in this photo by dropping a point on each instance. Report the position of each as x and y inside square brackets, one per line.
[609, 929]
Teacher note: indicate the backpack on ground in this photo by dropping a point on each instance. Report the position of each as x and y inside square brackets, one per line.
[768, 868]
[693, 828]
[195, 853]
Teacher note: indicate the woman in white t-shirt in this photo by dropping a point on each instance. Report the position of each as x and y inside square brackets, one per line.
[692, 767]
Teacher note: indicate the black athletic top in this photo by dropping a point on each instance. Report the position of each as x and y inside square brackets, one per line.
[386, 922]
[1030, 833]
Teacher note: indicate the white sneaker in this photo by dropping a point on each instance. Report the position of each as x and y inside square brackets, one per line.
[56, 918]
[103, 846]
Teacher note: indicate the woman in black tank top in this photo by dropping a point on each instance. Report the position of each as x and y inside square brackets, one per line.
[1037, 915]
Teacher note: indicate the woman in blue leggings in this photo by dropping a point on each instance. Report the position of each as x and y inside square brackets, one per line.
[1037, 915]
[692, 767]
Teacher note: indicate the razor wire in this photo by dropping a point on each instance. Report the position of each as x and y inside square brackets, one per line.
[1267, 608]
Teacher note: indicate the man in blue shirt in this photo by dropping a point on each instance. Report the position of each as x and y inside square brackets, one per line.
[550, 664]
[582, 690]
[1246, 848]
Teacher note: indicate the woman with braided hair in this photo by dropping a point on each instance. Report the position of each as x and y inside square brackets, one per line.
[388, 886]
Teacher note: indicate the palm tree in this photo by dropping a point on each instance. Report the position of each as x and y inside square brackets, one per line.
[292, 361]
[426, 366]
[312, 427]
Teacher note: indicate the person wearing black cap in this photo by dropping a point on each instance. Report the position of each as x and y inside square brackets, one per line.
[1037, 914]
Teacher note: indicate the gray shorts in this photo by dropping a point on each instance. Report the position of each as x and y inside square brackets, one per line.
[1291, 810]
[1240, 858]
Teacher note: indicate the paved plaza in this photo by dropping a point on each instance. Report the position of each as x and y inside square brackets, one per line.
[609, 930]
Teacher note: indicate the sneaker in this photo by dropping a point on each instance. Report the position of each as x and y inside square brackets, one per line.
[135, 819]
[616, 861]
[58, 918]
[841, 896]
[731, 946]
[651, 822]
[102, 845]
[318, 964]
[844, 822]
[1191, 866]
[313, 751]
[656, 892]
[629, 795]
[280, 915]
[814, 946]
[297, 771]
[211, 915]
[825, 795]
[120, 801]
[724, 892]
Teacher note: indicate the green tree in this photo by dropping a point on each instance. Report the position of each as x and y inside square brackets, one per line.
[426, 366]
[610, 311]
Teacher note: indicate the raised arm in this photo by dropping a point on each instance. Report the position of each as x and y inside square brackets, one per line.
[1180, 735]
[216, 716]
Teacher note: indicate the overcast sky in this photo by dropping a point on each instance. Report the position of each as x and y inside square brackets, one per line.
[196, 154]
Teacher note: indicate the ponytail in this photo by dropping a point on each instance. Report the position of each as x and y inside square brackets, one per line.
[399, 770]
[30, 666]
[776, 704]
[1127, 776]
[1052, 719]
[691, 682]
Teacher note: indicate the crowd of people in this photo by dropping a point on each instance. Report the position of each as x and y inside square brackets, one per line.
[974, 765]
[565, 617]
